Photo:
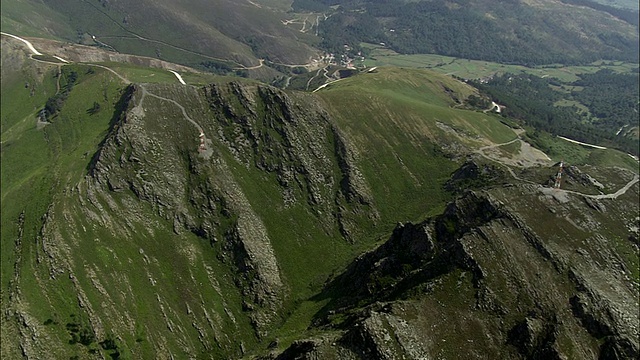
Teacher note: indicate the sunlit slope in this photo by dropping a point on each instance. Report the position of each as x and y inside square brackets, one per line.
[406, 126]
[121, 235]
[133, 240]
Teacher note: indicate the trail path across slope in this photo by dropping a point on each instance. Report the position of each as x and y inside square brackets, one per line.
[582, 143]
[204, 151]
[29, 45]
[124, 79]
[614, 195]
[327, 84]
[184, 111]
[261, 63]
[207, 152]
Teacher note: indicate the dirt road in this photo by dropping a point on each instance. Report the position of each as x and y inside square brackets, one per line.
[145, 92]
[29, 45]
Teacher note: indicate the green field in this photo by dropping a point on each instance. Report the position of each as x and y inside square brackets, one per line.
[403, 122]
[476, 69]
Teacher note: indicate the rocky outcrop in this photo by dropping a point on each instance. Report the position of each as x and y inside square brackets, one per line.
[605, 322]
[472, 175]
[272, 130]
[472, 236]
[536, 338]
[266, 131]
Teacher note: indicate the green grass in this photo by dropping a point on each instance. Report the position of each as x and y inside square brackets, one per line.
[576, 154]
[34, 179]
[396, 124]
[611, 158]
[32, 18]
[141, 74]
[556, 148]
[476, 69]
[157, 28]
[25, 172]
[511, 149]
[390, 117]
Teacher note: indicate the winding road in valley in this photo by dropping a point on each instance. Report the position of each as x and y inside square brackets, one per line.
[29, 45]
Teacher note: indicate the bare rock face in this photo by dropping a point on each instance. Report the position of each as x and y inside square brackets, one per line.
[498, 275]
[293, 138]
[536, 338]
[198, 240]
[265, 131]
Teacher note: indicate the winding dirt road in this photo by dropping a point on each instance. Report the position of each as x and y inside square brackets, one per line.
[29, 45]
[178, 76]
[582, 143]
[206, 152]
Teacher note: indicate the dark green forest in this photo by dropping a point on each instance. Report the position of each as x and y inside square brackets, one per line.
[612, 101]
[514, 33]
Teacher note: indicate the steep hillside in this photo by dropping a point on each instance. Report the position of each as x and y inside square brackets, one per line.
[237, 220]
[534, 275]
[221, 34]
[522, 32]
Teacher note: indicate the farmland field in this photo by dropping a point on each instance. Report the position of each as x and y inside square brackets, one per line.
[477, 69]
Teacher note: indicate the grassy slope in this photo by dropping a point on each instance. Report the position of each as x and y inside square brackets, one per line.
[34, 179]
[27, 18]
[33, 164]
[397, 139]
[392, 118]
[240, 32]
[24, 171]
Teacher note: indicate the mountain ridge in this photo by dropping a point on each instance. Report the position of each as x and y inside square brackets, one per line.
[143, 244]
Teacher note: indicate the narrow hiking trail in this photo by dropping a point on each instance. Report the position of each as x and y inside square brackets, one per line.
[203, 148]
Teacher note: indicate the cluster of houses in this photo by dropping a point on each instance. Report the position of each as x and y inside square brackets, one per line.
[346, 59]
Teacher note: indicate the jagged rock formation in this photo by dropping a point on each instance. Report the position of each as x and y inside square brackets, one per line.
[148, 247]
[516, 287]
[146, 182]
